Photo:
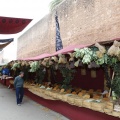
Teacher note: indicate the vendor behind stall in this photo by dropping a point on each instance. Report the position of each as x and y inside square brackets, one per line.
[5, 73]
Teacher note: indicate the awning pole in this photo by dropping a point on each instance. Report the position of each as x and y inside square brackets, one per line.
[111, 82]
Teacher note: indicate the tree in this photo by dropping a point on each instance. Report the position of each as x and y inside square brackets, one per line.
[54, 4]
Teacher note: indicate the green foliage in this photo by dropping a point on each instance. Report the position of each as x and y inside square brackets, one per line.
[116, 80]
[85, 54]
[88, 55]
[68, 75]
[107, 76]
[54, 4]
[116, 85]
[15, 66]
[40, 74]
[34, 66]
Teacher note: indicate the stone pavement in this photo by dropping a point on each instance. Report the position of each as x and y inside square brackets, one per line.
[29, 110]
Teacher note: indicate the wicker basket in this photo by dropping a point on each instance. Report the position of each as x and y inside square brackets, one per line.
[42, 90]
[116, 114]
[98, 106]
[50, 93]
[53, 94]
[107, 111]
[78, 101]
[59, 96]
[106, 99]
[34, 92]
[64, 97]
[71, 99]
[47, 92]
[109, 105]
[87, 103]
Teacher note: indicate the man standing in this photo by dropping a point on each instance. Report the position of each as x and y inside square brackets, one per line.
[18, 84]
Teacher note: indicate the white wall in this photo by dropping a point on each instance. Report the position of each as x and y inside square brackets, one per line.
[10, 51]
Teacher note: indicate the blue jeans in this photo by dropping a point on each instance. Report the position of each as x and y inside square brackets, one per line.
[19, 94]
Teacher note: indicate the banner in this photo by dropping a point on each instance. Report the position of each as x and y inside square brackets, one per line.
[59, 45]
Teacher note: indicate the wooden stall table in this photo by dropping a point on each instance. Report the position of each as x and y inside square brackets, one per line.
[70, 111]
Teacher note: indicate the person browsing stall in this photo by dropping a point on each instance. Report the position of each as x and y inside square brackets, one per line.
[18, 84]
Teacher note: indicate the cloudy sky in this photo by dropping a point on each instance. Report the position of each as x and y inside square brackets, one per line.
[35, 9]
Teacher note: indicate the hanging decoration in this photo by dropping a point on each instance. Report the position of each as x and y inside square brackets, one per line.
[54, 58]
[71, 56]
[83, 71]
[93, 74]
[101, 50]
[62, 59]
[59, 44]
[114, 49]
[76, 64]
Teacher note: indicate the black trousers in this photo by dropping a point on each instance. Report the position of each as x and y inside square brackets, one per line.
[19, 94]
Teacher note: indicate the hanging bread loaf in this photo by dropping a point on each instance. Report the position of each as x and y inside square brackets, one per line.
[77, 63]
[46, 59]
[62, 59]
[99, 54]
[55, 58]
[114, 49]
[71, 56]
[100, 47]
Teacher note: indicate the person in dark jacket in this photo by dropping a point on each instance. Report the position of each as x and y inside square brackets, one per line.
[18, 84]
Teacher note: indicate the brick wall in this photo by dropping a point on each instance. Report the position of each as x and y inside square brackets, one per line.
[81, 22]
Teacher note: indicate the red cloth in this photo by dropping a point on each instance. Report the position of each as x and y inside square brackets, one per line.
[12, 25]
[86, 81]
[37, 57]
[8, 81]
[69, 49]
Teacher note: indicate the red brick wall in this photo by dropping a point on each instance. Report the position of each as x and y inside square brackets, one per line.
[81, 22]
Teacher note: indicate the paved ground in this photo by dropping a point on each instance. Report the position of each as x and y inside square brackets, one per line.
[29, 110]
